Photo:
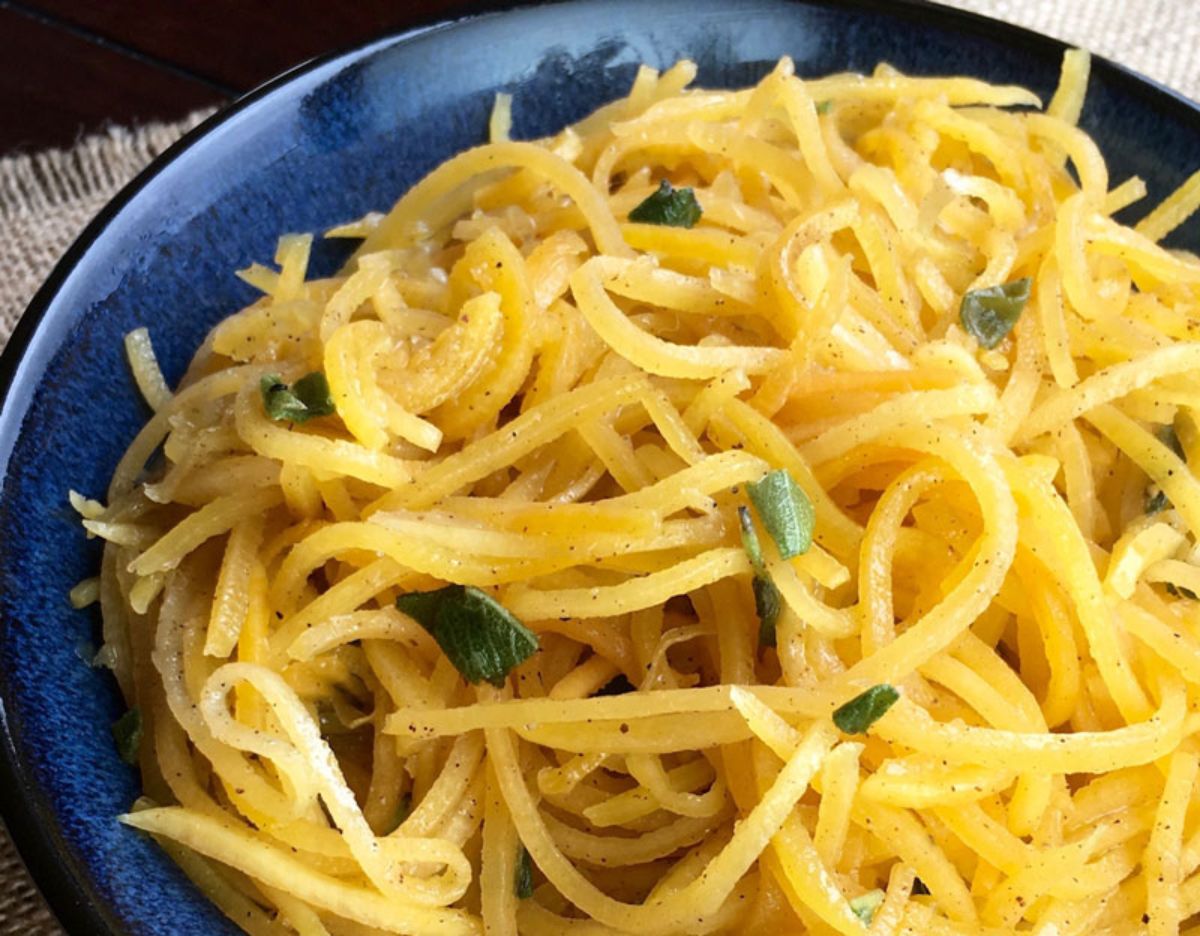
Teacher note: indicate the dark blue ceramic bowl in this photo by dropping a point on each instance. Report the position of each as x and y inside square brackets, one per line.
[322, 145]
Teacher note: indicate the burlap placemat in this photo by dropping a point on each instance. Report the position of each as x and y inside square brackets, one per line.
[46, 199]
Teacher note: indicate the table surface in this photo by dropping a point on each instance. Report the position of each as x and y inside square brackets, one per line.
[70, 67]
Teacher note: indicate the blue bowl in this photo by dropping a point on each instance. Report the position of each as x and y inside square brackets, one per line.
[321, 145]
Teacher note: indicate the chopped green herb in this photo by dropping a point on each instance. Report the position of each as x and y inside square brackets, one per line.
[668, 206]
[785, 511]
[767, 600]
[919, 888]
[1177, 591]
[767, 603]
[403, 808]
[618, 685]
[750, 541]
[478, 634]
[422, 607]
[127, 735]
[861, 712]
[307, 398]
[990, 314]
[824, 107]
[865, 905]
[524, 877]
[1168, 437]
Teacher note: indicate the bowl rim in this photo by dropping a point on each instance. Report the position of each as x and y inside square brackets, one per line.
[60, 875]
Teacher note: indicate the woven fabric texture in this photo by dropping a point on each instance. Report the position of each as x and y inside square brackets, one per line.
[46, 199]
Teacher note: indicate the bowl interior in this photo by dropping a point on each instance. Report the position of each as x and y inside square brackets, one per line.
[320, 147]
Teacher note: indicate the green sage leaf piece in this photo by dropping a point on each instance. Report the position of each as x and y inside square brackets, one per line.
[127, 735]
[668, 206]
[307, 398]
[785, 511]
[865, 905]
[750, 541]
[990, 314]
[861, 712]
[479, 635]
[1170, 438]
[767, 600]
[767, 603]
[524, 877]
[1157, 501]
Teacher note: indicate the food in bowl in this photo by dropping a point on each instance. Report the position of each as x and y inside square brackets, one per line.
[745, 511]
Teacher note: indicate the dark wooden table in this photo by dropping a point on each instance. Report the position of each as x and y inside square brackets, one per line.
[68, 67]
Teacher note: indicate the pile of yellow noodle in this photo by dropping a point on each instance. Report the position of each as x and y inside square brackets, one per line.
[537, 397]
